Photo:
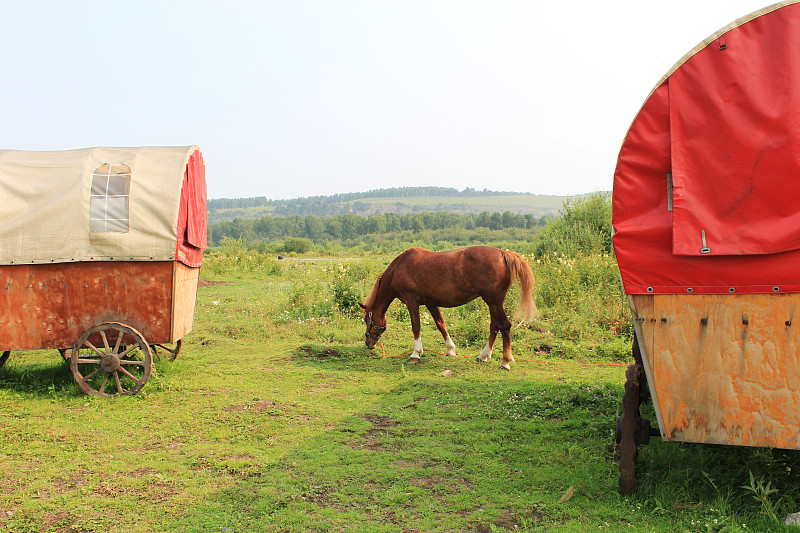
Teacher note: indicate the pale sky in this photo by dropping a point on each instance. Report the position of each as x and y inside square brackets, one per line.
[298, 98]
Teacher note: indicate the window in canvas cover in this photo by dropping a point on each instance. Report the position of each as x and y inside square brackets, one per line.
[108, 205]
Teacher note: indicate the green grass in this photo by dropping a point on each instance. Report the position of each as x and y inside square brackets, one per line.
[276, 418]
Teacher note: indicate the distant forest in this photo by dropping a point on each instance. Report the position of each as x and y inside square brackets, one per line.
[353, 228]
[337, 203]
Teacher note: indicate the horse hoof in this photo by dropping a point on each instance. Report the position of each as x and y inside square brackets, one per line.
[413, 359]
[505, 367]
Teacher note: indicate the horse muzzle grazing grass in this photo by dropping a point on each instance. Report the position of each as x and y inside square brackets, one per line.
[450, 279]
[374, 331]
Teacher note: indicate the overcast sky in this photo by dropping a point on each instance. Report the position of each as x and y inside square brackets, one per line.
[300, 98]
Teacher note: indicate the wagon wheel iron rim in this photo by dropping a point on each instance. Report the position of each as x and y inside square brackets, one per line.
[629, 429]
[120, 365]
[4, 357]
[173, 352]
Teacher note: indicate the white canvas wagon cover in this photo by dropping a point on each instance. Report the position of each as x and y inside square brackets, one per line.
[102, 204]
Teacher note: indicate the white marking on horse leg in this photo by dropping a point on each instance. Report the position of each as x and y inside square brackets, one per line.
[414, 357]
[508, 358]
[451, 346]
[486, 354]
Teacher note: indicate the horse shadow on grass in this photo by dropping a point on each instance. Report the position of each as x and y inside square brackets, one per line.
[344, 357]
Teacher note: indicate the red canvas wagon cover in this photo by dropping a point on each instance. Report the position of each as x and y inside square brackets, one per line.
[707, 184]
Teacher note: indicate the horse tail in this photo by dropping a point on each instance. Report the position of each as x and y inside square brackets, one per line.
[526, 309]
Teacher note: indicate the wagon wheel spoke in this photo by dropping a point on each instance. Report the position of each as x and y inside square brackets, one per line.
[128, 374]
[131, 362]
[93, 374]
[95, 369]
[128, 350]
[4, 357]
[119, 342]
[105, 341]
[102, 388]
[120, 388]
[93, 348]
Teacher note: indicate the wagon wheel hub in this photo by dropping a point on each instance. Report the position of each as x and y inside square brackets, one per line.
[109, 362]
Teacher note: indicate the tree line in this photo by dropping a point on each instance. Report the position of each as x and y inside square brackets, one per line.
[351, 227]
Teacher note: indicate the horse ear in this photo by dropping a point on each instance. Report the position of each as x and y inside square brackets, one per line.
[362, 306]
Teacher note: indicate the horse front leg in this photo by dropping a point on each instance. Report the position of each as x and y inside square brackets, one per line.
[439, 320]
[413, 311]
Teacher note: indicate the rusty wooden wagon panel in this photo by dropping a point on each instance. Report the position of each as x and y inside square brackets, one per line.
[100, 252]
[49, 306]
[707, 237]
[723, 369]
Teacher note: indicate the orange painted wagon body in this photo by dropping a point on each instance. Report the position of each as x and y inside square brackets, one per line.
[723, 369]
[706, 222]
[49, 306]
[100, 252]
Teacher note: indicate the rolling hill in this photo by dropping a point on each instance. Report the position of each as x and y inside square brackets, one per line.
[397, 200]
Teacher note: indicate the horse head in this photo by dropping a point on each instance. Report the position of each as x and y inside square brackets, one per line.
[376, 326]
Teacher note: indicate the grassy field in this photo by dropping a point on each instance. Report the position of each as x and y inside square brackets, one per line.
[516, 203]
[276, 418]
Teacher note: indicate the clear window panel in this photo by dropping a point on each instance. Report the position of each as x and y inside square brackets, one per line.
[117, 208]
[97, 226]
[119, 185]
[97, 208]
[117, 226]
[99, 185]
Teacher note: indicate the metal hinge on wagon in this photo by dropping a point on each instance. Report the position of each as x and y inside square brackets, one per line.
[705, 249]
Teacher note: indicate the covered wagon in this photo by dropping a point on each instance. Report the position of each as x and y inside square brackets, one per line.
[100, 252]
[706, 217]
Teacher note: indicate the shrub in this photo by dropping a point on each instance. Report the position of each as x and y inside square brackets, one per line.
[583, 229]
[297, 245]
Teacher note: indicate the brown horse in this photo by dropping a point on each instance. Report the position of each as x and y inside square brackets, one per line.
[449, 279]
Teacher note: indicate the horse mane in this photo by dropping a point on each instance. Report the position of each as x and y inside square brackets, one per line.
[370, 301]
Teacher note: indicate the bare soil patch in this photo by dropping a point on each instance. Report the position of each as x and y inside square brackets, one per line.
[209, 283]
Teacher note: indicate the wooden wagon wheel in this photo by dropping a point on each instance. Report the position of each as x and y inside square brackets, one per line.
[173, 352]
[630, 429]
[123, 361]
